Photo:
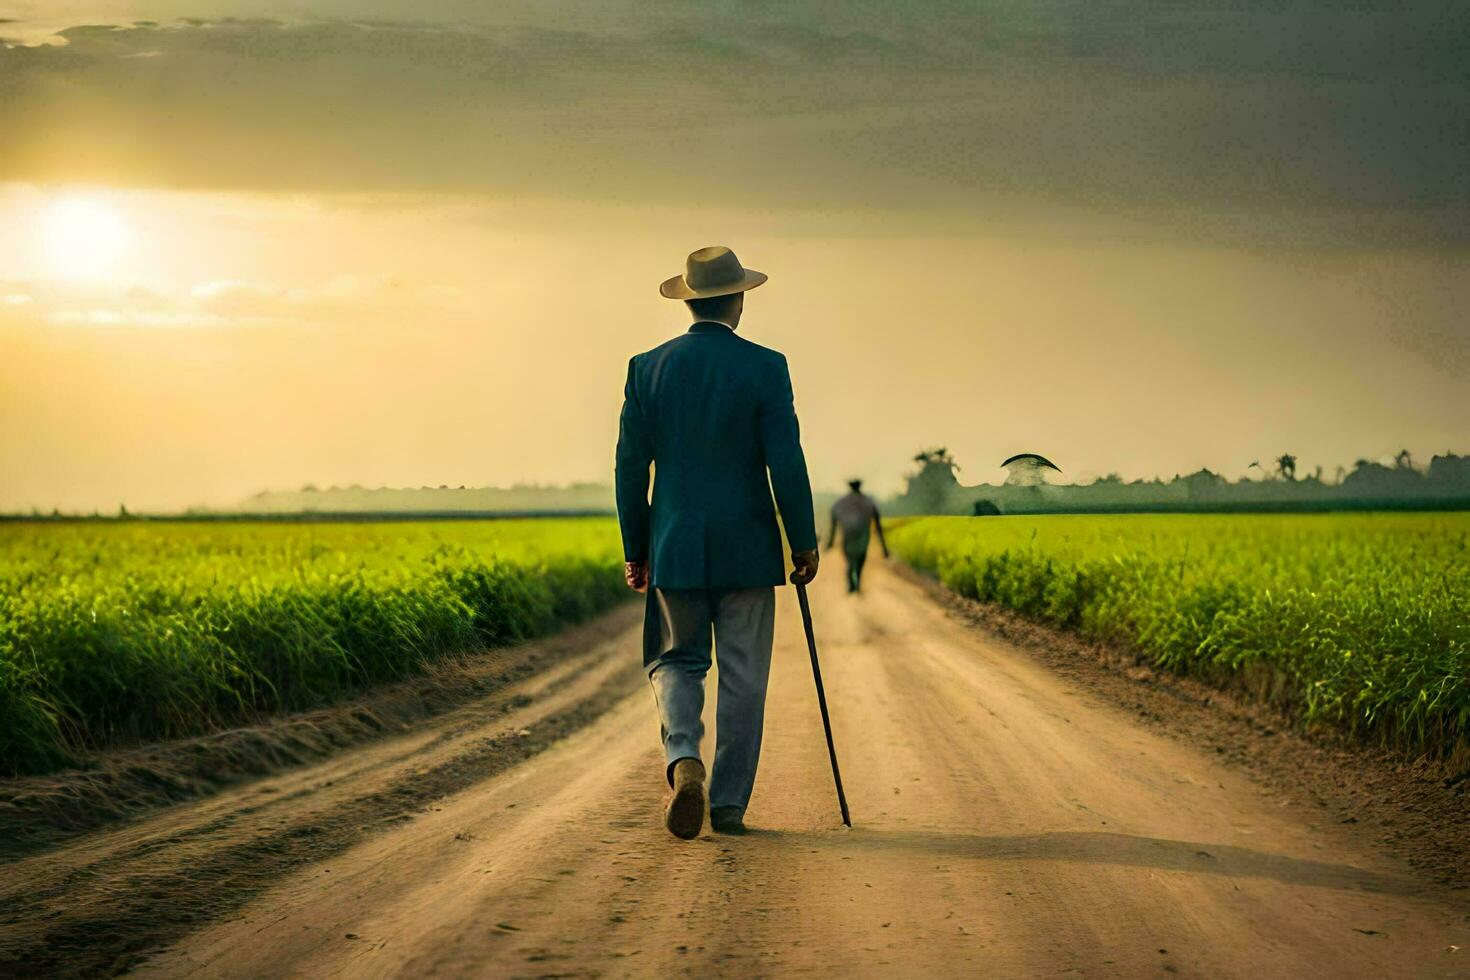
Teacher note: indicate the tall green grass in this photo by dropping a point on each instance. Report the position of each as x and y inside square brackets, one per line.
[1359, 621]
[112, 633]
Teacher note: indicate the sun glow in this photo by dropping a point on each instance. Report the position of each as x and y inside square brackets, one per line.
[83, 238]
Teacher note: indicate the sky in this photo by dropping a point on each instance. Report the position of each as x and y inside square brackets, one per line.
[250, 244]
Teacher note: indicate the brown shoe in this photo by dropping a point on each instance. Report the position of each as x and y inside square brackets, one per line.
[685, 814]
[727, 820]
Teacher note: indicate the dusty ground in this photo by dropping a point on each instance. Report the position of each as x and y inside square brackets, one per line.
[1009, 820]
[1417, 809]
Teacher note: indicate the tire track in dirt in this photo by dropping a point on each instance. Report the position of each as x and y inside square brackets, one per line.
[93, 906]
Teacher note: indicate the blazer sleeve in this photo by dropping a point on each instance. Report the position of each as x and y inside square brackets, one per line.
[634, 456]
[781, 444]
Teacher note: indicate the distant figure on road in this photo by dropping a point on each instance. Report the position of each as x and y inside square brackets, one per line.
[856, 514]
[712, 413]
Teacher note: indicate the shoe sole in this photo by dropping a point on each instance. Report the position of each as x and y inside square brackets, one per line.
[685, 816]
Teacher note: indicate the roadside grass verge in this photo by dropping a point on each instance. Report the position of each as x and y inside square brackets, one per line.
[114, 634]
[1356, 621]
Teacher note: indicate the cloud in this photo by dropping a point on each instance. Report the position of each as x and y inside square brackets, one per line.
[1280, 121]
[339, 294]
[232, 302]
[219, 290]
[135, 318]
[131, 304]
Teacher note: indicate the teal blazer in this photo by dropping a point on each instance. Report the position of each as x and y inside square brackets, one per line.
[711, 412]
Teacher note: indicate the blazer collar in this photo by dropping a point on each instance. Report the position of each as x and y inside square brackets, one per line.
[710, 326]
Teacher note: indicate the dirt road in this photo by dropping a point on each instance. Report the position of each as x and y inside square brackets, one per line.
[1006, 823]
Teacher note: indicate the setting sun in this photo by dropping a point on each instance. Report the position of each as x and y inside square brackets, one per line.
[83, 238]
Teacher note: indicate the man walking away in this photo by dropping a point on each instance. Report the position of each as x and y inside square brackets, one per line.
[856, 513]
[713, 414]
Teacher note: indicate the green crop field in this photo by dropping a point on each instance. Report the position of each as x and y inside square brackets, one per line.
[111, 633]
[1360, 621]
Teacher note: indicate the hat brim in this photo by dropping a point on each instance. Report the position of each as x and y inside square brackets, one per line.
[677, 288]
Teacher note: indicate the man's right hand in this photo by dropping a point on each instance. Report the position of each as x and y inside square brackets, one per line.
[805, 569]
[635, 573]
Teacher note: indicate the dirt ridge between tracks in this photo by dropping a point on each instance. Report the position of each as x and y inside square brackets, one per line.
[96, 902]
[120, 784]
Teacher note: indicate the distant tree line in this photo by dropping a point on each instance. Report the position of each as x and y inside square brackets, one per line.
[934, 488]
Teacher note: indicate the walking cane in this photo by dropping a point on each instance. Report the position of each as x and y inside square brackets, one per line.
[811, 645]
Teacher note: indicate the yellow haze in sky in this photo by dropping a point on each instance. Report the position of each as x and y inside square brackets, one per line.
[249, 341]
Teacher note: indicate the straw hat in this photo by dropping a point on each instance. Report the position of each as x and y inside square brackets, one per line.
[711, 271]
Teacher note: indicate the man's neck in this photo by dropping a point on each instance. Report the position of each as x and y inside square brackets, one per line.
[710, 319]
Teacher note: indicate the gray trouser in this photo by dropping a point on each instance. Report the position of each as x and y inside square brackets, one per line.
[855, 561]
[678, 634]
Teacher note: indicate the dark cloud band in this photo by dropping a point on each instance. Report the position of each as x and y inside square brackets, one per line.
[1285, 121]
